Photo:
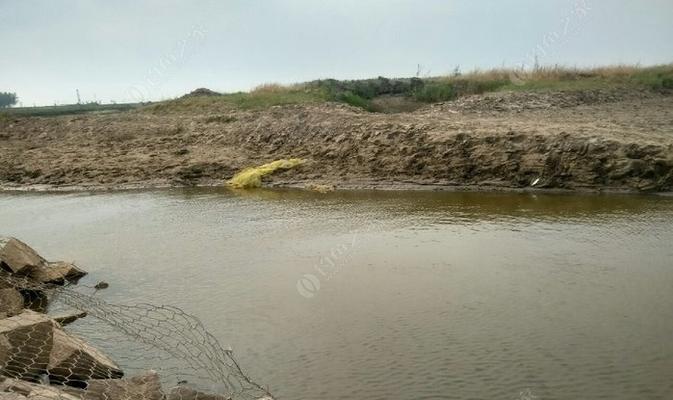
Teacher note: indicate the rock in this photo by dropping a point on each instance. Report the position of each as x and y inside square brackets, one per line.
[18, 390]
[145, 387]
[186, 393]
[20, 259]
[69, 318]
[43, 392]
[36, 300]
[11, 302]
[13, 386]
[17, 257]
[58, 272]
[25, 343]
[72, 361]
[11, 396]
[4, 283]
[628, 167]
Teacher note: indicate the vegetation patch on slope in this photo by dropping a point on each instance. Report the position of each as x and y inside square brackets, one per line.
[388, 95]
[407, 94]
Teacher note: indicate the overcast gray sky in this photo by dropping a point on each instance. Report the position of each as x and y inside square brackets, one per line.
[126, 50]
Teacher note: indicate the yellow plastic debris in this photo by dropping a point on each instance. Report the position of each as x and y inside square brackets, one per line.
[252, 177]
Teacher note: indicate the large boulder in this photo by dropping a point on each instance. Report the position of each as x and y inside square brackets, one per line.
[58, 272]
[33, 346]
[25, 344]
[34, 299]
[66, 319]
[11, 302]
[17, 257]
[74, 362]
[145, 387]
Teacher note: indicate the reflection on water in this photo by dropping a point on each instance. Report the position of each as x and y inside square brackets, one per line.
[391, 295]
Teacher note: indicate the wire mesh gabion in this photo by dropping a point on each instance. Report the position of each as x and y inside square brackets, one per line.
[164, 352]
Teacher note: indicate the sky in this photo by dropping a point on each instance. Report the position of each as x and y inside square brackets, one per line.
[146, 50]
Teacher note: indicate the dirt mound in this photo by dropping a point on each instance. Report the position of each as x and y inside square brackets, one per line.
[200, 92]
[525, 101]
[593, 140]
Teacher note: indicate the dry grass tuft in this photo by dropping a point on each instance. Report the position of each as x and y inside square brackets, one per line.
[269, 88]
[398, 95]
[622, 72]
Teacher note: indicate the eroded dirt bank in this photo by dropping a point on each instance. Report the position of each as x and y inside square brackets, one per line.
[602, 140]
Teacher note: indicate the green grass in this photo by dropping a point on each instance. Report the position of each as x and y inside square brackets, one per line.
[4, 118]
[656, 78]
[264, 99]
[260, 98]
[354, 100]
[365, 93]
[376, 94]
[71, 109]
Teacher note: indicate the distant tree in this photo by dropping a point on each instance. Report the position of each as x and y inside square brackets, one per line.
[7, 99]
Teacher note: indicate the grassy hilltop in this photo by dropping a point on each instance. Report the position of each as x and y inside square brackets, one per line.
[391, 95]
[395, 95]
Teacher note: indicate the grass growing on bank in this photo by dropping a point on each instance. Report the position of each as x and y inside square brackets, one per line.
[262, 97]
[372, 94]
[393, 95]
[557, 78]
[68, 109]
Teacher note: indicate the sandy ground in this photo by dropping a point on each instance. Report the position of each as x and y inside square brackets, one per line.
[617, 140]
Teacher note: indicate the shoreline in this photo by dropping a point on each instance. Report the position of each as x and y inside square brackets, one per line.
[342, 187]
[551, 142]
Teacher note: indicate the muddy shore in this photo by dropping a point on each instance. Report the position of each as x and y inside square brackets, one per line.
[602, 140]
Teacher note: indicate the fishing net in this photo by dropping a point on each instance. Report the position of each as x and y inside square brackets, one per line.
[163, 353]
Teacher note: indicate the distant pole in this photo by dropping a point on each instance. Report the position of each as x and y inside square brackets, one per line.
[79, 101]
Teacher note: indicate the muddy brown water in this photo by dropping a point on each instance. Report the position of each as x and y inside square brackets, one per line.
[391, 295]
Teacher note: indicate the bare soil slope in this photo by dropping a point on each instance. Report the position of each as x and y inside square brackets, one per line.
[598, 140]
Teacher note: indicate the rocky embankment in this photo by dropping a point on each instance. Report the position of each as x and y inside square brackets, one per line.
[39, 359]
[614, 140]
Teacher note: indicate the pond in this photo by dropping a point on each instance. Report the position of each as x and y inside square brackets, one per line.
[390, 295]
